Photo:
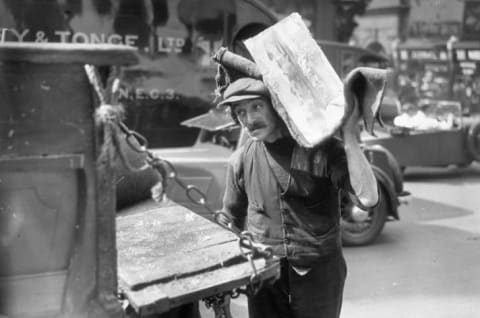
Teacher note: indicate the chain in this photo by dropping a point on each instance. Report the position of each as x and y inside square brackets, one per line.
[251, 250]
[139, 144]
[167, 170]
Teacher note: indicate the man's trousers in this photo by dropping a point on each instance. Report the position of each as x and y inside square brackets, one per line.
[316, 294]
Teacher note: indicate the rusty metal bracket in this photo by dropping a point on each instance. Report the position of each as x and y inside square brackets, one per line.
[220, 304]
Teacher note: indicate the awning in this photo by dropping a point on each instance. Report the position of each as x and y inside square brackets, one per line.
[214, 120]
[422, 44]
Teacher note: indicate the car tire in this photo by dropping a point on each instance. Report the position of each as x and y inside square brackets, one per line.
[355, 234]
[473, 141]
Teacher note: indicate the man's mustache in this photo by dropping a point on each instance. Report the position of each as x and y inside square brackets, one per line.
[256, 125]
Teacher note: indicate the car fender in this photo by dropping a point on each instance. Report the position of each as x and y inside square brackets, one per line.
[388, 185]
[379, 156]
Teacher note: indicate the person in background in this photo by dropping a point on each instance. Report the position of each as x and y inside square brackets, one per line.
[413, 117]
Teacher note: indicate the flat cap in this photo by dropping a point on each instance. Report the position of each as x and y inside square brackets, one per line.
[242, 89]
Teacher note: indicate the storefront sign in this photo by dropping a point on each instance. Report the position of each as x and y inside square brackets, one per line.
[406, 55]
[443, 29]
[153, 94]
[164, 44]
[474, 55]
[467, 55]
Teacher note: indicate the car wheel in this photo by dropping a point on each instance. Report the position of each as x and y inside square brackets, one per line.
[473, 141]
[360, 227]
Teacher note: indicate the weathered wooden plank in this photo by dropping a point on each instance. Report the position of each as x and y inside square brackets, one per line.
[189, 289]
[305, 89]
[168, 256]
[162, 243]
[172, 266]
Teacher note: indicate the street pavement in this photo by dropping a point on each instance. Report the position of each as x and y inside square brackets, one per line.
[425, 265]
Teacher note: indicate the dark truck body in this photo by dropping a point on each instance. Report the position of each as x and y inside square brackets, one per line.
[174, 78]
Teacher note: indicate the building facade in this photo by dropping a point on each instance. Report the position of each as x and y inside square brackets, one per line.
[319, 15]
[382, 25]
[387, 22]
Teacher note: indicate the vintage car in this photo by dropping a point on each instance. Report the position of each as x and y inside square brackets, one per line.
[436, 135]
[204, 166]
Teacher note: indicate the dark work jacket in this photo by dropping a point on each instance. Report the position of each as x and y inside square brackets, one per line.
[295, 210]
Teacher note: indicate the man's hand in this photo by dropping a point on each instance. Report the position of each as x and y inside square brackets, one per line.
[225, 220]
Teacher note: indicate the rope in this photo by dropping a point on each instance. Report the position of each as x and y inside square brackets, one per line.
[112, 85]
[107, 116]
[94, 79]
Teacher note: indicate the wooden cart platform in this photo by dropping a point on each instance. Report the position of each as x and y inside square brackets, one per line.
[169, 256]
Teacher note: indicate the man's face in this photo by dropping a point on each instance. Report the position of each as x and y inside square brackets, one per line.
[259, 118]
